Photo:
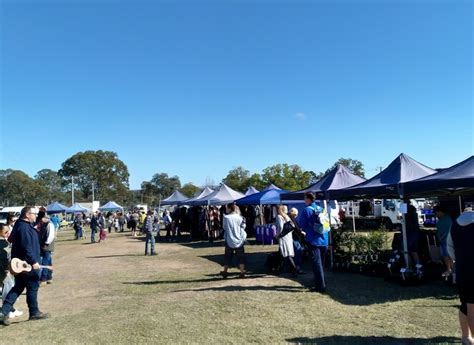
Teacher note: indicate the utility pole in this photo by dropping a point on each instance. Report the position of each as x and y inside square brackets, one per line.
[93, 192]
[72, 189]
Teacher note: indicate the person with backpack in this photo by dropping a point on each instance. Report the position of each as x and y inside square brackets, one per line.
[47, 236]
[316, 239]
[78, 223]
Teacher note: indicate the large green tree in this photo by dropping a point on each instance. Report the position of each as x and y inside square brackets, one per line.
[189, 189]
[17, 188]
[159, 187]
[101, 170]
[290, 177]
[353, 165]
[52, 182]
[238, 179]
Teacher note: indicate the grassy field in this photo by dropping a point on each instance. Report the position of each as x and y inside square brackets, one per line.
[110, 293]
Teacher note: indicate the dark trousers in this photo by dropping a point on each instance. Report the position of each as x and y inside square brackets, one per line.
[319, 253]
[93, 233]
[79, 233]
[46, 260]
[30, 282]
[298, 253]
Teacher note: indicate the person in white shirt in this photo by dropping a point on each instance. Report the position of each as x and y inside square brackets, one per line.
[47, 237]
[235, 236]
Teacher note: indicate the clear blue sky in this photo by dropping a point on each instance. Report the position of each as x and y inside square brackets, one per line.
[196, 88]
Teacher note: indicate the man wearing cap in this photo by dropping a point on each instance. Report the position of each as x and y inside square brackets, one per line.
[317, 242]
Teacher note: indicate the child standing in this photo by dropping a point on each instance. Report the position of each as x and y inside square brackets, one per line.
[5, 276]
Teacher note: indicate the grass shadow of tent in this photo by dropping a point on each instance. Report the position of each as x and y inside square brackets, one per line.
[359, 290]
[356, 340]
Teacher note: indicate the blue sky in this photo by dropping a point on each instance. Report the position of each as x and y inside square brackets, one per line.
[196, 88]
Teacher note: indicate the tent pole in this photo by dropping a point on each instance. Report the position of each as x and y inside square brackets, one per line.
[460, 204]
[405, 241]
[353, 217]
[328, 212]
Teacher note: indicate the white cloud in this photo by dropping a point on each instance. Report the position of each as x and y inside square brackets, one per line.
[300, 116]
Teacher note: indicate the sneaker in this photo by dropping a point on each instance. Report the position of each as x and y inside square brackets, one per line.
[39, 316]
[14, 314]
[224, 274]
[322, 291]
[5, 319]
[447, 274]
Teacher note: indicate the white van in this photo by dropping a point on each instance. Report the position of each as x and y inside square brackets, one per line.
[7, 210]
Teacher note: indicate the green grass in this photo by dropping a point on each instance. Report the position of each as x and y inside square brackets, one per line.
[111, 294]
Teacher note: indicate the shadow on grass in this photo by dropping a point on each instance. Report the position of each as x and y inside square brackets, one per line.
[238, 288]
[158, 282]
[113, 256]
[354, 289]
[355, 340]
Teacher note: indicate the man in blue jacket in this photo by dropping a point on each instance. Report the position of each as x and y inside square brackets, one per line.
[25, 246]
[317, 242]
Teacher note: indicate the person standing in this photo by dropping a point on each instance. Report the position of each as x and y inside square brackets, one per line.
[443, 227]
[102, 228]
[461, 244]
[47, 236]
[413, 233]
[5, 276]
[134, 223]
[317, 242]
[285, 241]
[78, 223]
[149, 230]
[122, 221]
[25, 247]
[94, 226]
[234, 236]
[56, 222]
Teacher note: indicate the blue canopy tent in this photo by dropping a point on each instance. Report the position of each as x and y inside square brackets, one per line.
[251, 190]
[76, 208]
[269, 196]
[203, 193]
[55, 207]
[456, 180]
[271, 187]
[110, 207]
[223, 195]
[389, 183]
[338, 178]
[175, 199]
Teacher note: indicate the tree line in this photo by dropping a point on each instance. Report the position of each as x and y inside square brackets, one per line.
[102, 175]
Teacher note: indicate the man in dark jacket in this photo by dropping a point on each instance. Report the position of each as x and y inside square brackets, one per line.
[462, 233]
[25, 246]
